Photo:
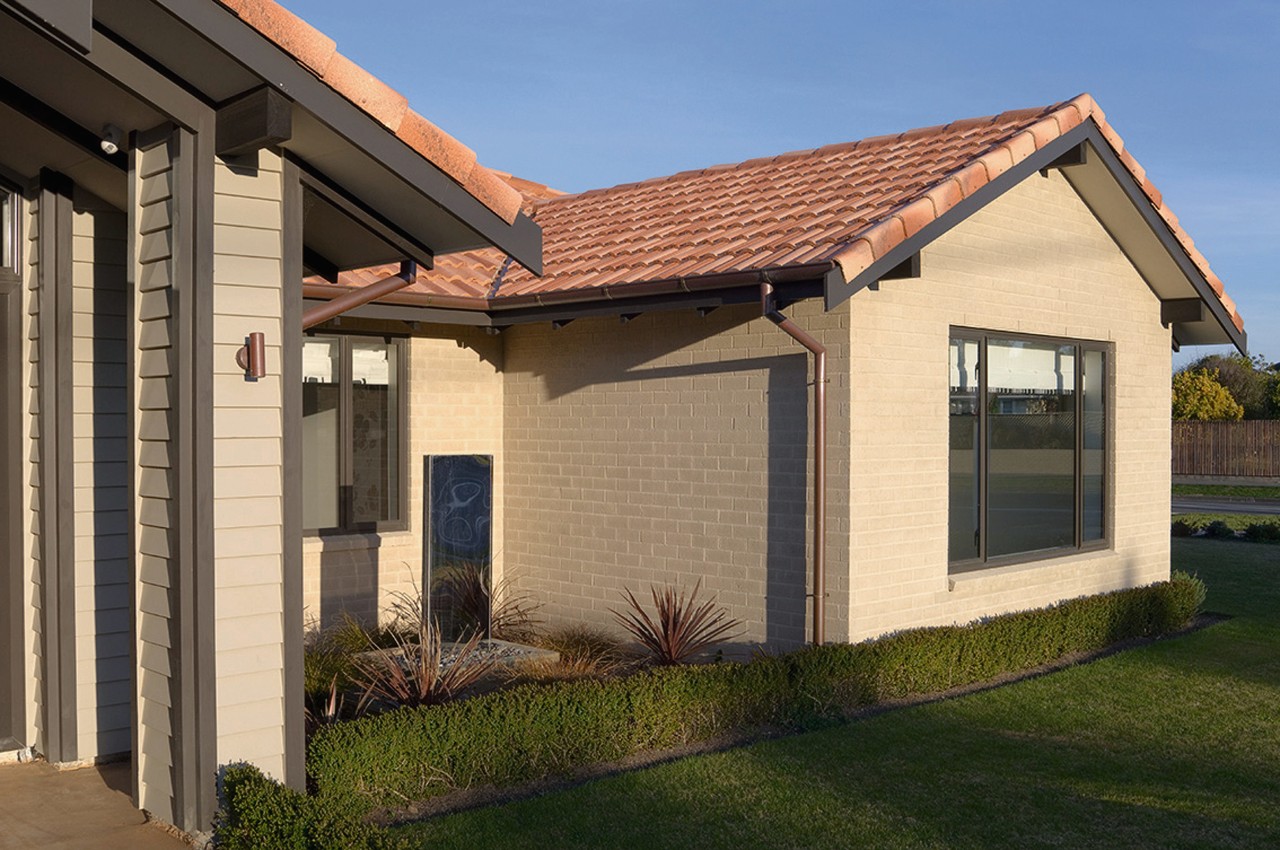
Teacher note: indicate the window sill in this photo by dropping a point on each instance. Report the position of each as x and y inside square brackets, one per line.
[355, 540]
[975, 579]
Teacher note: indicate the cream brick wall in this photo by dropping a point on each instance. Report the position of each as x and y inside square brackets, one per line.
[669, 449]
[454, 392]
[1035, 261]
[675, 447]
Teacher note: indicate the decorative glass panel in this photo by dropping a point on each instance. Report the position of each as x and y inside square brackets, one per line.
[1031, 434]
[459, 542]
[375, 431]
[1094, 458]
[965, 495]
[321, 431]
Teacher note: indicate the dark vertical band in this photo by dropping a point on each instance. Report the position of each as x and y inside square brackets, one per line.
[291, 476]
[57, 485]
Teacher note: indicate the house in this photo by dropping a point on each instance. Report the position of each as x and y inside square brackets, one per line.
[998, 300]
[166, 167]
[909, 380]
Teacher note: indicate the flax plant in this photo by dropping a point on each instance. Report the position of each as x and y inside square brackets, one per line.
[681, 629]
[415, 672]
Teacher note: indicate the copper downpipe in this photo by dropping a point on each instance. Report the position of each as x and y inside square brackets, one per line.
[350, 300]
[819, 456]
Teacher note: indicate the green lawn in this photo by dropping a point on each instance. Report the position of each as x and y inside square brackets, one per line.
[1226, 491]
[1173, 745]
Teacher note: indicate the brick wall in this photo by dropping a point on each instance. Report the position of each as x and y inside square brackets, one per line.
[1035, 261]
[671, 448]
[676, 447]
[455, 407]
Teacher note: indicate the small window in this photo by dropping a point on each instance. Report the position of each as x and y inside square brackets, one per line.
[353, 435]
[1027, 447]
[8, 231]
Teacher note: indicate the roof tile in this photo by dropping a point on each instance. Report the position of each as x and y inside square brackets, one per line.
[318, 53]
[366, 91]
[847, 205]
[310, 47]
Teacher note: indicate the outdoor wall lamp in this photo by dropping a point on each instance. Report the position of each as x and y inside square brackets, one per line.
[252, 356]
[112, 139]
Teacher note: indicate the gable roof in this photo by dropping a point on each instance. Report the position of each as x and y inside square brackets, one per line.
[318, 53]
[839, 211]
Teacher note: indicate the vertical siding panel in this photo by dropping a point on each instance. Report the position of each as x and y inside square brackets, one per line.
[99, 398]
[248, 432]
[153, 425]
[31, 476]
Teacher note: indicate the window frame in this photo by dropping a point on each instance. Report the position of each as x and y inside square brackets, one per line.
[13, 233]
[983, 337]
[346, 433]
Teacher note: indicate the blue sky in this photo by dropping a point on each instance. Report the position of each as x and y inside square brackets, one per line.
[581, 95]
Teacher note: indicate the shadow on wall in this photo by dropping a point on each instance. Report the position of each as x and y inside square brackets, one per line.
[349, 580]
[610, 359]
[106, 553]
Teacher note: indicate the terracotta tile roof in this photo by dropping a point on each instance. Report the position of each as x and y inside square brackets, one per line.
[318, 53]
[838, 206]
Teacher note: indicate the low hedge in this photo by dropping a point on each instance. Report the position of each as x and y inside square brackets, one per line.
[259, 813]
[537, 731]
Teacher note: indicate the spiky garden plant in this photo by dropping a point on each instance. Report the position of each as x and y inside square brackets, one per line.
[465, 590]
[681, 629]
[414, 672]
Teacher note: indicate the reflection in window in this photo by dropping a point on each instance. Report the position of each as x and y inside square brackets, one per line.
[8, 231]
[965, 493]
[321, 432]
[1094, 445]
[375, 425]
[352, 440]
[1027, 447]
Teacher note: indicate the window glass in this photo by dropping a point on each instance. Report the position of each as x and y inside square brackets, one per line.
[375, 431]
[1094, 455]
[964, 484]
[7, 236]
[321, 432]
[1031, 438]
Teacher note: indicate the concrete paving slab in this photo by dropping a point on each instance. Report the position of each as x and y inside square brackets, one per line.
[60, 809]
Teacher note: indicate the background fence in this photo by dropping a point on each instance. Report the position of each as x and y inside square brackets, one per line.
[1250, 448]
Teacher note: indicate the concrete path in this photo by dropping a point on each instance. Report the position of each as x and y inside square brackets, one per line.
[1217, 505]
[52, 809]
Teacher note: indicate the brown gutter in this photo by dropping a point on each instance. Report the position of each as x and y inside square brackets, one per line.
[819, 456]
[614, 292]
[354, 298]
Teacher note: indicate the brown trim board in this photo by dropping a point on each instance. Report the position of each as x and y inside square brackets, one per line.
[195, 738]
[57, 485]
[291, 476]
[12, 579]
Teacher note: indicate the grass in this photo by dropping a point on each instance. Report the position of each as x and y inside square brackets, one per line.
[1172, 745]
[1226, 491]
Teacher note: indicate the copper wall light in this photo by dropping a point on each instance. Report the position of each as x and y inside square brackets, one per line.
[252, 356]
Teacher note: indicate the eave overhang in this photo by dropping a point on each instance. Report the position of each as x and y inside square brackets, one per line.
[1109, 189]
[214, 58]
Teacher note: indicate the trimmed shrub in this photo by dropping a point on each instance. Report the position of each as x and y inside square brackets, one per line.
[1220, 530]
[259, 813]
[532, 732]
[1181, 528]
[1262, 532]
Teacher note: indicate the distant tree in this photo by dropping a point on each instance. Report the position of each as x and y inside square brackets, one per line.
[1197, 394]
[1250, 381]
